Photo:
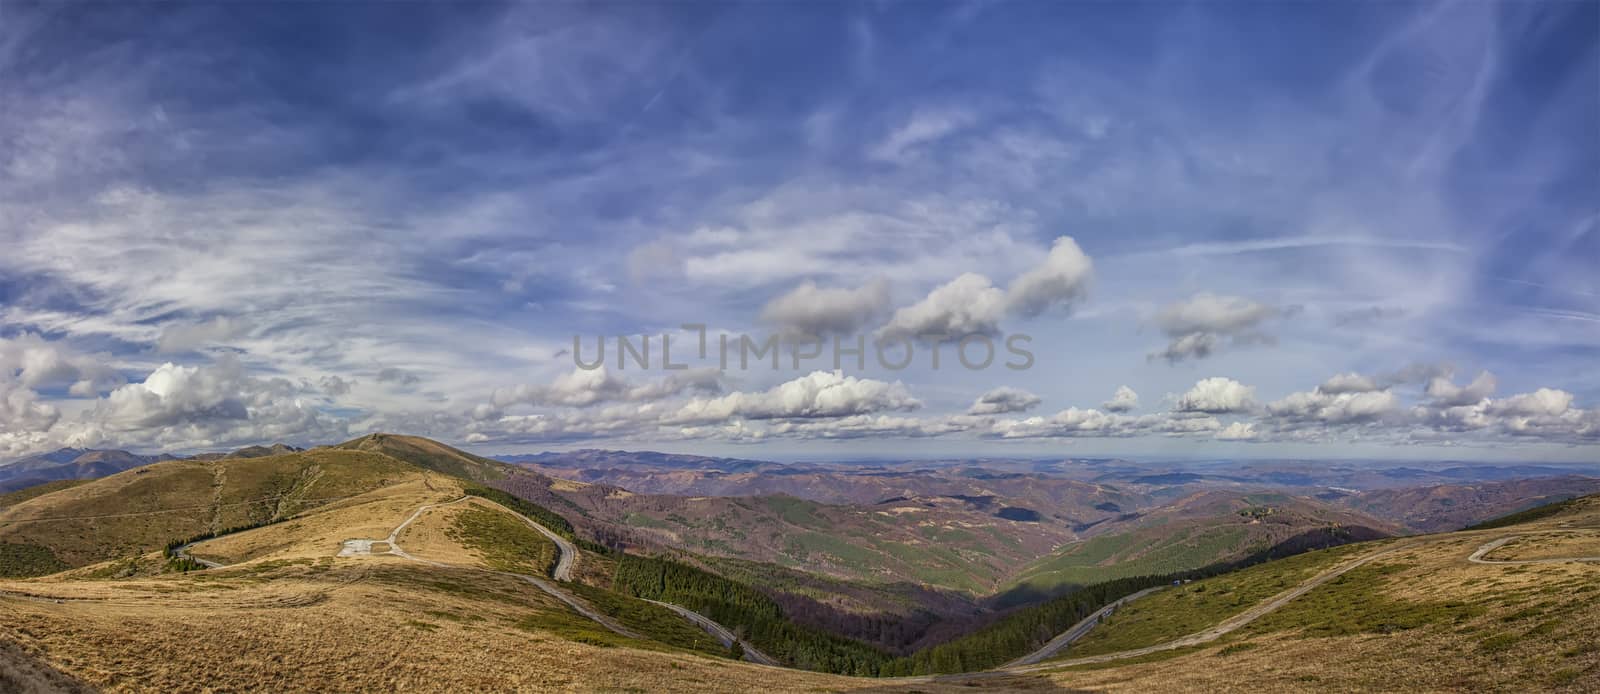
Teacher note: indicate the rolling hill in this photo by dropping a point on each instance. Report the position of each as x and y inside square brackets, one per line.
[142, 509]
[1203, 529]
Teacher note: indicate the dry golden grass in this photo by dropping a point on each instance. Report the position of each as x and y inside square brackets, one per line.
[429, 536]
[320, 534]
[295, 618]
[1421, 619]
[1549, 545]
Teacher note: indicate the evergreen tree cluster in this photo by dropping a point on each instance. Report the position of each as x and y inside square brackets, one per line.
[747, 611]
[1019, 632]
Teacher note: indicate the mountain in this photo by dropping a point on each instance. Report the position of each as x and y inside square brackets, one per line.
[70, 464]
[1454, 506]
[251, 452]
[1073, 501]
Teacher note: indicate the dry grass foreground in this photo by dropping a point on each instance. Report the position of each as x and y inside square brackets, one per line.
[295, 618]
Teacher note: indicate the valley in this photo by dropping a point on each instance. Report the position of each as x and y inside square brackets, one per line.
[415, 554]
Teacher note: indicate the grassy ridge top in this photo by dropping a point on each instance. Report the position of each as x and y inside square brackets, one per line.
[430, 455]
[142, 509]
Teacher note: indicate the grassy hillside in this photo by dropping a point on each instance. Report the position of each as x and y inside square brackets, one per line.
[21, 495]
[1204, 530]
[430, 455]
[142, 509]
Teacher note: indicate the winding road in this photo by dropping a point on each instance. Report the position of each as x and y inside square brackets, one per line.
[566, 561]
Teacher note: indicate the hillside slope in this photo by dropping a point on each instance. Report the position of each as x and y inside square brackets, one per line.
[430, 455]
[139, 510]
[1202, 529]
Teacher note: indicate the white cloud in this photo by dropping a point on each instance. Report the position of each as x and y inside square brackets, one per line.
[35, 362]
[967, 305]
[1124, 400]
[808, 311]
[1217, 395]
[189, 407]
[819, 394]
[971, 304]
[1442, 392]
[1237, 431]
[24, 420]
[586, 387]
[1348, 383]
[1334, 407]
[1003, 400]
[1061, 280]
[1544, 402]
[1198, 324]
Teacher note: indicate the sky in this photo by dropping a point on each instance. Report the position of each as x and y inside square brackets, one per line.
[1253, 229]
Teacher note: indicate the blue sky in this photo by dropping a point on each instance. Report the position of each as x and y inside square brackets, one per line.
[1288, 229]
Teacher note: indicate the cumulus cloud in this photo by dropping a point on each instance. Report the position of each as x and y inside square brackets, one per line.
[967, 305]
[1124, 400]
[972, 304]
[1003, 400]
[1336, 407]
[1076, 422]
[1217, 395]
[1348, 383]
[1061, 280]
[24, 420]
[1544, 402]
[819, 394]
[35, 363]
[586, 387]
[1443, 392]
[1237, 431]
[20, 409]
[1199, 325]
[810, 311]
[191, 407]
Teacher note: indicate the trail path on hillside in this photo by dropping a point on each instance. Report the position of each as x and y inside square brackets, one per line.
[1481, 556]
[1228, 625]
[726, 637]
[565, 563]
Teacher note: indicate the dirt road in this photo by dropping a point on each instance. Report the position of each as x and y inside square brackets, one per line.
[1077, 631]
[726, 637]
[1480, 556]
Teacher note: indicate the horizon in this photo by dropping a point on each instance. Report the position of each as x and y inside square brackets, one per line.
[954, 458]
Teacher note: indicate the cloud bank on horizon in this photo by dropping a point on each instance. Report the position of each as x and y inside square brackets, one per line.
[1310, 230]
